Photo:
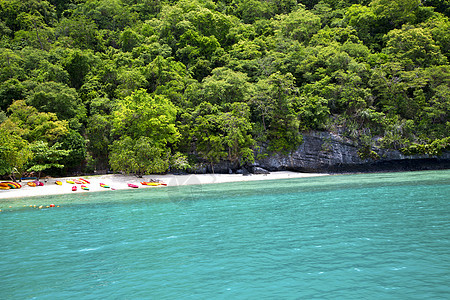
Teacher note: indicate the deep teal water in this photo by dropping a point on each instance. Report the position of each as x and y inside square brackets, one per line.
[373, 236]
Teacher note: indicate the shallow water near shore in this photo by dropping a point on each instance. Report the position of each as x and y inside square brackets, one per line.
[364, 236]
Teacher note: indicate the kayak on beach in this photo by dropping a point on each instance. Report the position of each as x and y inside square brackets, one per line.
[83, 180]
[9, 185]
[153, 183]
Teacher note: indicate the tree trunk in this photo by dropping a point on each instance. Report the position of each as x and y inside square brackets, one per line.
[37, 35]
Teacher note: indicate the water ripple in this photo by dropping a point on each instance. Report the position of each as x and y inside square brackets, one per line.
[371, 236]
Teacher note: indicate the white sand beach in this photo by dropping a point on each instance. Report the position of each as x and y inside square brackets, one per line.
[120, 182]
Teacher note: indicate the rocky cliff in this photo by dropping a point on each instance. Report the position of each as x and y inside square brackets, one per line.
[327, 152]
[330, 153]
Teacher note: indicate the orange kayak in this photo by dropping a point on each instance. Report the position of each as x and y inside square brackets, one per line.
[83, 180]
[10, 184]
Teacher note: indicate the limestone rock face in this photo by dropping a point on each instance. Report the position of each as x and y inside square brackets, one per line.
[259, 170]
[328, 152]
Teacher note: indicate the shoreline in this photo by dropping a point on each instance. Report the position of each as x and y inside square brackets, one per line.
[120, 182]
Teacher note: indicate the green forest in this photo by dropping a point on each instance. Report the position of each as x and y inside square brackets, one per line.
[153, 86]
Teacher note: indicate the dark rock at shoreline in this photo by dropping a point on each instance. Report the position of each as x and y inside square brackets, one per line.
[331, 153]
[242, 171]
[259, 170]
[326, 152]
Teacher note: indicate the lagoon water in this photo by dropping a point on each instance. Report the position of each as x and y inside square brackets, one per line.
[369, 236]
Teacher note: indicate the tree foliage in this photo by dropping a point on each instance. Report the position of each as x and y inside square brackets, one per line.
[140, 85]
[14, 153]
[46, 157]
[146, 127]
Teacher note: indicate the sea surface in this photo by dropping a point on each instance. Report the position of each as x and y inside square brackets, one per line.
[367, 236]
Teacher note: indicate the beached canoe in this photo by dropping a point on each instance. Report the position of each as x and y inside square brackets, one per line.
[5, 185]
[133, 186]
[70, 181]
[84, 180]
[10, 184]
[31, 183]
[104, 185]
[74, 188]
[58, 182]
[151, 183]
[83, 187]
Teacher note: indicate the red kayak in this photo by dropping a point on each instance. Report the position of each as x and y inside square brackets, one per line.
[74, 188]
[83, 180]
[38, 183]
[133, 186]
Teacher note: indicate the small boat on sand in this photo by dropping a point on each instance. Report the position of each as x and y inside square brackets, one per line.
[83, 180]
[10, 185]
[153, 183]
[74, 188]
[83, 187]
[133, 186]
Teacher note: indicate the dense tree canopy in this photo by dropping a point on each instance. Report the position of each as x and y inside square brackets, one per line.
[144, 86]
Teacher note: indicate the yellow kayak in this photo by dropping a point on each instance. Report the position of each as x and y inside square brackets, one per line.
[151, 183]
[10, 184]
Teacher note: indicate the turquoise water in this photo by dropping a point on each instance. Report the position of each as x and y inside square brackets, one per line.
[375, 236]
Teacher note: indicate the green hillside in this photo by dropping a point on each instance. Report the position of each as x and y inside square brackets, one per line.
[147, 86]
